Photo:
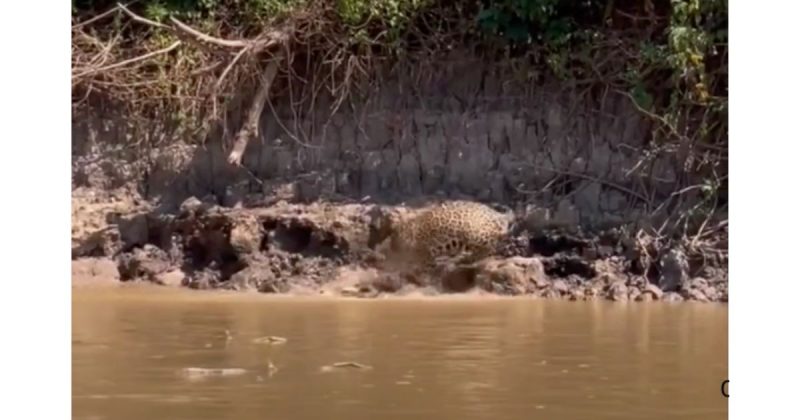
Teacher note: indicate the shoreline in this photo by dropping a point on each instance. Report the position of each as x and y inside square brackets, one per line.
[326, 250]
[145, 291]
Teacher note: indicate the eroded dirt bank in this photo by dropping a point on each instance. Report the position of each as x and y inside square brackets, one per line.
[327, 248]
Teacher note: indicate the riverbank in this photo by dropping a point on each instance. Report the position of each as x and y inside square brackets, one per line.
[325, 248]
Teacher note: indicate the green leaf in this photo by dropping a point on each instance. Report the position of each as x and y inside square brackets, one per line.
[642, 98]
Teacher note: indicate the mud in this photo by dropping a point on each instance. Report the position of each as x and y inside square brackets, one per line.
[329, 248]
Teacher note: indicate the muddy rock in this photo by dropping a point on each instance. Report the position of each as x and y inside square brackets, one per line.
[672, 297]
[513, 276]
[208, 278]
[694, 294]
[633, 293]
[105, 242]
[577, 295]
[258, 276]
[653, 291]
[592, 292]
[173, 278]
[94, 214]
[711, 293]
[674, 271]
[246, 235]
[549, 293]
[618, 291]
[560, 286]
[144, 263]
[192, 206]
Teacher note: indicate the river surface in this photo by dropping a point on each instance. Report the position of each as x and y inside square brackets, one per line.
[140, 353]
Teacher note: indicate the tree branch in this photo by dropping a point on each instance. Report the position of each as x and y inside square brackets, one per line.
[250, 128]
[208, 39]
[140, 19]
[103, 15]
[123, 63]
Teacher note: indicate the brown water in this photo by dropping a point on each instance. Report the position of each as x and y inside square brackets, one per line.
[449, 358]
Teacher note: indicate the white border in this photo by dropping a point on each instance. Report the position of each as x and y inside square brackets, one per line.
[765, 171]
[764, 165]
[35, 115]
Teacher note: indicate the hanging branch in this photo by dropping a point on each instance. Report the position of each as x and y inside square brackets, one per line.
[250, 128]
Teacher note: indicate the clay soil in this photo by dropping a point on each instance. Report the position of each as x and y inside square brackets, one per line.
[329, 249]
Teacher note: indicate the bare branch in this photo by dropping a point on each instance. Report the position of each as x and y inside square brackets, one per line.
[102, 15]
[176, 44]
[140, 19]
[230, 66]
[208, 38]
[250, 127]
[180, 28]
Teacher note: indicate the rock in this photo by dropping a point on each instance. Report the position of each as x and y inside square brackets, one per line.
[105, 242]
[513, 276]
[577, 295]
[133, 230]
[672, 297]
[540, 281]
[654, 291]
[204, 279]
[174, 278]
[711, 293]
[698, 283]
[592, 291]
[550, 294]
[191, 205]
[560, 286]
[633, 293]
[639, 282]
[143, 263]
[246, 235]
[674, 271]
[388, 283]
[694, 294]
[644, 297]
[618, 291]
[263, 275]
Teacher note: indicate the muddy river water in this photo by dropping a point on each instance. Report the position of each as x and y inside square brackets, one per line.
[145, 353]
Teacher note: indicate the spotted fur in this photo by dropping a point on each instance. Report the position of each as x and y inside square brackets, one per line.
[465, 231]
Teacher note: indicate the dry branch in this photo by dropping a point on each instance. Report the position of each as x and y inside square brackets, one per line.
[245, 50]
[140, 19]
[250, 128]
[124, 63]
[208, 38]
[103, 15]
[183, 30]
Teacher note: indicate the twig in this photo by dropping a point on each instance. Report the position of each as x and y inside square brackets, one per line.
[230, 66]
[174, 45]
[140, 19]
[208, 38]
[205, 69]
[598, 180]
[102, 15]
